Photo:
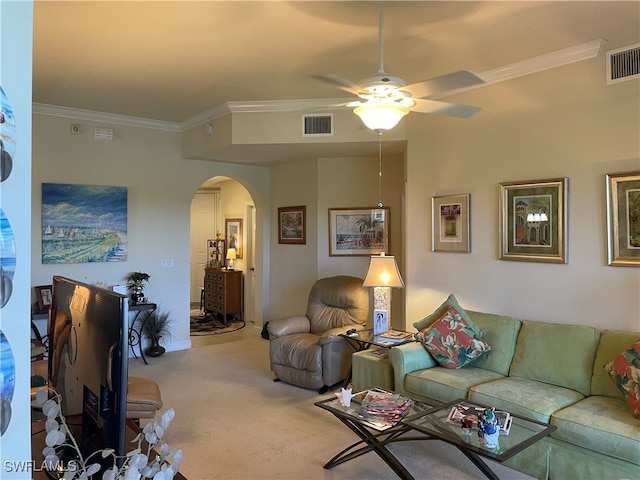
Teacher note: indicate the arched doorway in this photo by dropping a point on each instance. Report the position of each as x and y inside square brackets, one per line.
[220, 204]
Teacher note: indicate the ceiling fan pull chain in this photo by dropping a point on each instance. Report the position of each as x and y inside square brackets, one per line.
[380, 205]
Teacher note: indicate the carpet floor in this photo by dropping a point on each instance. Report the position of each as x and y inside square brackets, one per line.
[234, 422]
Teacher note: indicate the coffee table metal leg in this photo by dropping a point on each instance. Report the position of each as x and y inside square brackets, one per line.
[372, 444]
[478, 462]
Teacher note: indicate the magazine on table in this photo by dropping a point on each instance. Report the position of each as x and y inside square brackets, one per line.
[396, 334]
[460, 411]
[382, 409]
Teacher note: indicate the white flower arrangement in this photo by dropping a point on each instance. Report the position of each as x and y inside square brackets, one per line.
[135, 466]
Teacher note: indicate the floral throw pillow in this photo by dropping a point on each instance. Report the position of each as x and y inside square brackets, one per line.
[451, 341]
[624, 370]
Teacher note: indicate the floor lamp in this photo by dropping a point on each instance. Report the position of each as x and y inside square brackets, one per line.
[383, 274]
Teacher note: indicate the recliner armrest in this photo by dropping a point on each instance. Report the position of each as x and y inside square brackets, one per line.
[289, 326]
[332, 335]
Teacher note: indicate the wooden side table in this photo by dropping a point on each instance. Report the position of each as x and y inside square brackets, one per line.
[223, 292]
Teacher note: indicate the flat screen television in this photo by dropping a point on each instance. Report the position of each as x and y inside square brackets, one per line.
[88, 360]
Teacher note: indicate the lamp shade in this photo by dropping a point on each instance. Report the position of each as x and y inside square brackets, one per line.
[231, 254]
[380, 116]
[383, 272]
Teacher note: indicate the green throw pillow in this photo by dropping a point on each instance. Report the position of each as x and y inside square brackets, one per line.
[451, 301]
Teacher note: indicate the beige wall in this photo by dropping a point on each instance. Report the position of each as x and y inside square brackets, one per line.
[583, 138]
[160, 186]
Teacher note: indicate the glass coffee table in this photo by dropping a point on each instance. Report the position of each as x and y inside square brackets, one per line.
[375, 432]
[522, 434]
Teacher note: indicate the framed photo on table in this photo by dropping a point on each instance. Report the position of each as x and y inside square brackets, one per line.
[623, 219]
[533, 226]
[292, 228]
[233, 229]
[358, 231]
[44, 295]
[450, 223]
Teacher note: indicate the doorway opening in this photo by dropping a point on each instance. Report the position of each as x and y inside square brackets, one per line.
[222, 249]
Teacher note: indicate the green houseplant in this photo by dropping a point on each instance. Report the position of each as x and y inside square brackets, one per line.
[156, 326]
[136, 282]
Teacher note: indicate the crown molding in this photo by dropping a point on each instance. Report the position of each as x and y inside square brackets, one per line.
[100, 117]
[286, 105]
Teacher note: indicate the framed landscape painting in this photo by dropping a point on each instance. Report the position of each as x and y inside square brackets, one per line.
[83, 223]
[358, 231]
[292, 228]
[450, 223]
[533, 225]
[623, 219]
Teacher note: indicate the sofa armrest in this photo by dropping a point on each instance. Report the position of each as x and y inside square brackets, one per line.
[332, 335]
[289, 326]
[408, 358]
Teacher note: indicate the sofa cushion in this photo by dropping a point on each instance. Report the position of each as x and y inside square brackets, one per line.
[601, 424]
[451, 301]
[612, 342]
[442, 385]
[501, 333]
[524, 397]
[452, 341]
[625, 373]
[556, 354]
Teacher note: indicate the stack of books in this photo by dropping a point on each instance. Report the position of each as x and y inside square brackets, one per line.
[382, 409]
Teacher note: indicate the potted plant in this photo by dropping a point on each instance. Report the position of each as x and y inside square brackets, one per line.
[156, 326]
[136, 282]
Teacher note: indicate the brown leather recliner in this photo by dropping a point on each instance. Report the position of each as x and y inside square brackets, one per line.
[306, 350]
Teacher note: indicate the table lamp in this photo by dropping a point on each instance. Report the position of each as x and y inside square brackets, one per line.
[382, 275]
[231, 255]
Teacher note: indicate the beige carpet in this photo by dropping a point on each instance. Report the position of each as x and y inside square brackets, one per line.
[233, 422]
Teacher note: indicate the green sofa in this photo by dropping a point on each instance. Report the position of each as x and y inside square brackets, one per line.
[549, 372]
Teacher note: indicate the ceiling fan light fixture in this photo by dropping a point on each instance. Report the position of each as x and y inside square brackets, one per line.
[380, 116]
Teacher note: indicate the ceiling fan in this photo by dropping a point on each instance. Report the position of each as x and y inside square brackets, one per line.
[385, 98]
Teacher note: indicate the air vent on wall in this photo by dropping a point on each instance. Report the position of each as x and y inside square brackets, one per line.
[623, 64]
[102, 133]
[317, 125]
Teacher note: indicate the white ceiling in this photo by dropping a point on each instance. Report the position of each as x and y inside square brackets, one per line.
[172, 61]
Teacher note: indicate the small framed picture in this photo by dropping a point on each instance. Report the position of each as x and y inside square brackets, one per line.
[292, 228]
[380, 322]
[533, 223]
[358, 231]
[450, 223]
[623, 219]
[233, 227]
[44, 295]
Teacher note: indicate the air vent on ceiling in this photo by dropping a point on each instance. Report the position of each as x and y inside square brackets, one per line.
[317, 125]
[623, 64]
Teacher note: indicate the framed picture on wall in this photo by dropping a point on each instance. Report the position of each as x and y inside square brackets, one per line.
[450, 223]
[44, 295]
[623, 219]
[292, 228]
[233, 229]
[358, 231]
[533, 225]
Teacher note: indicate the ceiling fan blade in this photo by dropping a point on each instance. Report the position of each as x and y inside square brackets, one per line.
[450, 109]
[341, 82]
[439, 85]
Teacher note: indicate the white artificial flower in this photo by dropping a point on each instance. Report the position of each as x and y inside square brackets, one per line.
[41, 395]
[110, 474]
[51, 424]
[51, 408]
[54, 437]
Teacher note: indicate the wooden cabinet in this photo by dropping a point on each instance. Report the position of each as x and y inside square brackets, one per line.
[223, 292]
